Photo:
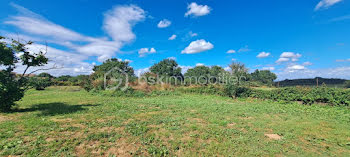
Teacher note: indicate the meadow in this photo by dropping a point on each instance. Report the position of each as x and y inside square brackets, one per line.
[68, 121]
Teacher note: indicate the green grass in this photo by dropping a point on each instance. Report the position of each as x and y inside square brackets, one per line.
[66, 121]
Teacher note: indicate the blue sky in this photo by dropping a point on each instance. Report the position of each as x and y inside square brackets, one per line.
[294, 38]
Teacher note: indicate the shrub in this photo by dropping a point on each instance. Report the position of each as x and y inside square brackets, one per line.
[40, 83]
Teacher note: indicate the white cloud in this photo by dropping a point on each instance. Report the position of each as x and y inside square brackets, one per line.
[144, 51]
[139, 72]
[197, 47]
[244, 49]
[173, 37]
[325, 4]
[197, 10]
[269, 68]
[296, 67]
[231, 51]
[233, 59]
[341, 18]
[339, 72]
[192, 34]
[343, 60]
[172, 58]
[60, 62]
[263, 54]
[288, 56]
[118, 23]
[280, 60]
[199, 64]
[164, 23]
[307, 63]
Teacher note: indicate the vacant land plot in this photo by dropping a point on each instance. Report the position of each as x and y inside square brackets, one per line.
[67, 121]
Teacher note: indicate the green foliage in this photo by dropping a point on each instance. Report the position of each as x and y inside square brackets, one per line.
[347, 84]
[12, 88]
[264, 76]
[235, 91]
[210, 89]
[40, 83]
[45, 75]
[332, 96]
[198, 75]
[239, 72]
[167, 68]
[115, 72]
[203, 75]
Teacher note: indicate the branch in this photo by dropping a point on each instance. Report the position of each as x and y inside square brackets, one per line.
[53, 67]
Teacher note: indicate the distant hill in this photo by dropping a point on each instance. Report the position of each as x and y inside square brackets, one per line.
[310, 82]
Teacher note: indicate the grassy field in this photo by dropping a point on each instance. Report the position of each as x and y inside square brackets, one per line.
[66, 121]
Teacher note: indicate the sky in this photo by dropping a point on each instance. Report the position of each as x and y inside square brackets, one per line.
[292, 38]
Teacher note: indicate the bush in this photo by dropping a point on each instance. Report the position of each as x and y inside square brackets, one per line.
[10, 90]
[235, 91]
[40, 83]
[332, 96]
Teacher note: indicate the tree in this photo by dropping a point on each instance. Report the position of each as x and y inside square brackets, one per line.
[40, 83]
[112, 72]
[239, 72]
[216, 72]
[45, 75]
[198, 75]
[167, 68]
[234, 85]
[347, 84]
[11, 88]
[264, 76]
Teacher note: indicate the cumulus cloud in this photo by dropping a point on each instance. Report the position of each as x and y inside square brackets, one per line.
[118, 23]
[172, 37]
[269, 68]
[288, 56]
[325, 4]
[164, 23]
[144, 51]
[296, 67]
[231, 51]
[263, 54]
[196, 10]
[197, 47]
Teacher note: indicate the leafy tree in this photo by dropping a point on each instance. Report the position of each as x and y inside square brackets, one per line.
[11, 88]
[347, 84]
[45, 75]
[198, 74]
[216, 72]
[116, 72]
[239, 72]
[63, 78]
[234, 86]
[167, 68]
[40, 83]
[264, 76]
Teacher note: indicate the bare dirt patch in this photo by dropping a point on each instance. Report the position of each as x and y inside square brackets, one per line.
[273, 136]
[231, 125]
[4, 118]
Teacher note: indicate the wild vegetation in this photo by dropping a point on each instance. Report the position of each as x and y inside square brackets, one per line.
[68, 121]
